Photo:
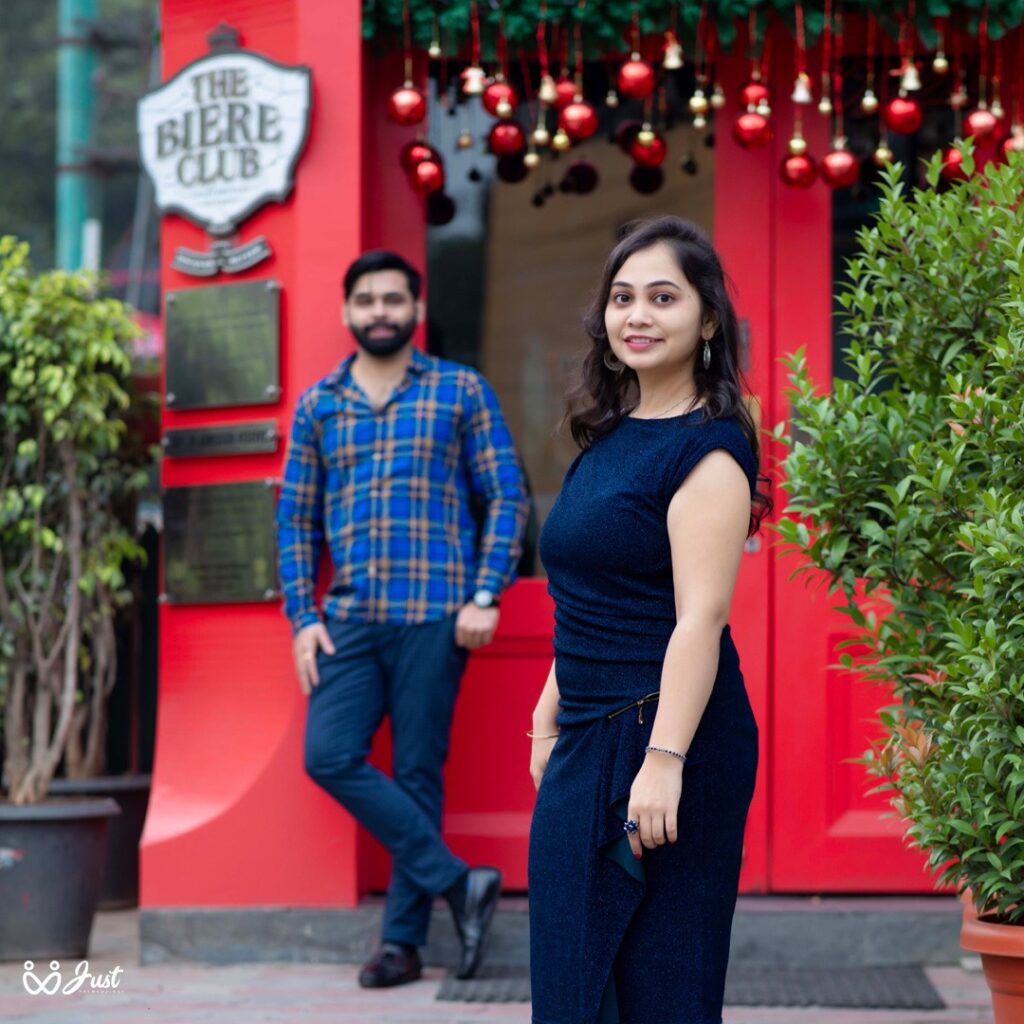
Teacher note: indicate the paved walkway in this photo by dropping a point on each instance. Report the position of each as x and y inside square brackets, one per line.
[310, 994]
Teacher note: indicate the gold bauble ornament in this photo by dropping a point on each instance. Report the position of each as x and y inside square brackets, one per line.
[560, 142]
[548, 92]
[503, 108]
[612, 99]
[869, 102]
[797, 145]
[474, 80]
[802, 89]
[764, 108]
[464, 141]
[673, 59]
[646, 135]
[718, 98]
[824, 106]
[997, 109]
[532, 159]
[940, 63]
[700, 121]
[541, 136]
[882, 155]
[910, 80]
[958, 98]
[698, 102]
[434, 50]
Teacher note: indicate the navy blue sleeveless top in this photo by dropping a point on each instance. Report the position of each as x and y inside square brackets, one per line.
[605, 543]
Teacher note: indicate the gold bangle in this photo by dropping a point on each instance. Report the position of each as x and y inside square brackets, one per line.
[550, 736]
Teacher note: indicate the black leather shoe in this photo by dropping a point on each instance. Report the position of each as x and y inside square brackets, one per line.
[473, 921]
[390, 965]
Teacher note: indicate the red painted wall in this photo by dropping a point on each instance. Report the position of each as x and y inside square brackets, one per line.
[232, 818]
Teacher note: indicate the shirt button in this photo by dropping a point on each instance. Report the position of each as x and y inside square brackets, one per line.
[371, 571]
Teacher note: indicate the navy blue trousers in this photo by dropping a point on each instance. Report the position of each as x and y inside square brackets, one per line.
[412, 674]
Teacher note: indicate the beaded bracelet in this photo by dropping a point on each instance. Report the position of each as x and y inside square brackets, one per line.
[663, 750]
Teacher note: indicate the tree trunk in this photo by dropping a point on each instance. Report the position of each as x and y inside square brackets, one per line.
[17, 738]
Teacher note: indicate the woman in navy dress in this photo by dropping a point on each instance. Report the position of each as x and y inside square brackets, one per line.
[644, 745]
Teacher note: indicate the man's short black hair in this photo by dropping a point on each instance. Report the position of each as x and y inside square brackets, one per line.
[381, 259]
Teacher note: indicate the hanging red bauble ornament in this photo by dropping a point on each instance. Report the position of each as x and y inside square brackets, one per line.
[499, 99]
[953, 165]
[636, 78]
[407, 105]
[506, 138]
[980, 123]
[1013, 143]
[902, 115]
[798, 170]
[578, 120]
[839, 167]
[414, 153]
[752, 130]
[427, 176]
[651, 154]
[754, 94]
[565, 93]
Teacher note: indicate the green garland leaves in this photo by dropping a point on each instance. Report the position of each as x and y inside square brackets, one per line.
[607, 22]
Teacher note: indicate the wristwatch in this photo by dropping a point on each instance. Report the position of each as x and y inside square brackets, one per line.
[485, 599]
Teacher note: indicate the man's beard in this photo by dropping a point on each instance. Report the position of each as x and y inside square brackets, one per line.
[383, 345]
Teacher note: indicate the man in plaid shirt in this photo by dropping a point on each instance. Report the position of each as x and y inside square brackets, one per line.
[388, 455]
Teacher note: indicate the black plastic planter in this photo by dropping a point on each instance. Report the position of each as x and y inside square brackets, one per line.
[51, 865]
[120, 888]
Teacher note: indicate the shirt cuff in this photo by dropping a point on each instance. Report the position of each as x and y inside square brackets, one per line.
[487, 579]
[304, 619]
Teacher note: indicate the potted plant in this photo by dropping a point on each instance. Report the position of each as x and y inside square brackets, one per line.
[907, 483]
[64, 372]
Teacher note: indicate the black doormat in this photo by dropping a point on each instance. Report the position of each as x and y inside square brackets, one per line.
[878, 988]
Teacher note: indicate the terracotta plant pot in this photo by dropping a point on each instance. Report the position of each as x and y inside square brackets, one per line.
[1002, 958]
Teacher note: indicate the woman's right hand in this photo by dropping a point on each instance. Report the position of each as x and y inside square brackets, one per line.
[540, 752]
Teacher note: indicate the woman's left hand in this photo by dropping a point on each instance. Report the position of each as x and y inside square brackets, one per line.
[654, 802]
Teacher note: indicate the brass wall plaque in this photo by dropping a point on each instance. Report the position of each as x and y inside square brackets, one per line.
[225, 439]
[219, 544]
[222, 345]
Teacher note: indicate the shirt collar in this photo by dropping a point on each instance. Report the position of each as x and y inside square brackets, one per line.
[340, 375]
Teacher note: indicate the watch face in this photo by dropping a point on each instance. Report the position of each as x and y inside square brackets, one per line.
[483, 599]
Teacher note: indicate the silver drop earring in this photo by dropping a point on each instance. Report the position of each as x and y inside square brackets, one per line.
[706, 358]
[613, 362]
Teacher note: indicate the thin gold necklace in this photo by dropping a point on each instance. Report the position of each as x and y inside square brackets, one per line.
[665, 412]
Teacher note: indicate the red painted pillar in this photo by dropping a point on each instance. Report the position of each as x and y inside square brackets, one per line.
[233, 820]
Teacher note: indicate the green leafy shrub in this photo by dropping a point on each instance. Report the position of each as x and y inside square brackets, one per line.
[907, 483]
[64, 379]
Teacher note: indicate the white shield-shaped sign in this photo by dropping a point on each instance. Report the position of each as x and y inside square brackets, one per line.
[222, 137]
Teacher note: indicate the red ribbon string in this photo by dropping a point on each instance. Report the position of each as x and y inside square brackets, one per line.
[826, 48]
[837, 72]
[1019, 98]
[870, 47]
[983, 50]
[542, 46]
[801, 41]
[579, 46]
[474, 25]
[407, 39]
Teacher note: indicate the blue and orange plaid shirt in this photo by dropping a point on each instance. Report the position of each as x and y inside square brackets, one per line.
[394, 491]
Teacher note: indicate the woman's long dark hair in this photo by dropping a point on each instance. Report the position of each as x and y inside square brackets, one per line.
[602, 396]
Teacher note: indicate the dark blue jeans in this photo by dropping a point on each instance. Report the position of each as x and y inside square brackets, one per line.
[411, 673]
